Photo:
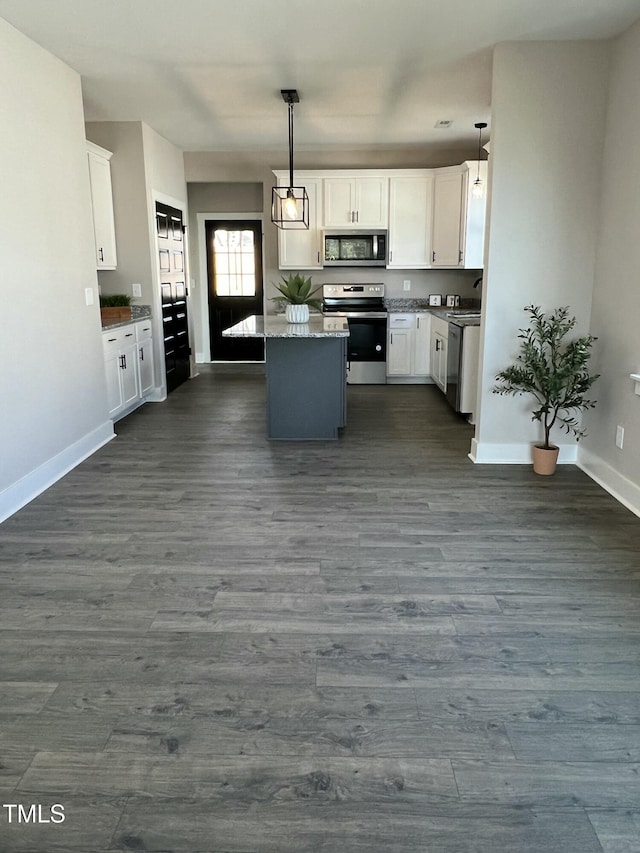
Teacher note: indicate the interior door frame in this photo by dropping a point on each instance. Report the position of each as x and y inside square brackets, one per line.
[158, 331]
[202, 341]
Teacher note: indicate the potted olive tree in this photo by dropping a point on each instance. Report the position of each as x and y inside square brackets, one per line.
[296, 293]
[555, 372]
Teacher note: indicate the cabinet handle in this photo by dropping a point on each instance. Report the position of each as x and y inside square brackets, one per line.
[433, 257]
[141, 353]
[318, 257]
[357, 215]
[460, 256]
[100, 255]
[129, 335]
[437, 345]
[390, 256]
[417, 322]
[123, 362]
[111, 340]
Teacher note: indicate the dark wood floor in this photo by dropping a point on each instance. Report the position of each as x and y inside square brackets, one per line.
[210, 642]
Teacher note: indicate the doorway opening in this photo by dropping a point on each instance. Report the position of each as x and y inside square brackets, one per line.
[234, 273]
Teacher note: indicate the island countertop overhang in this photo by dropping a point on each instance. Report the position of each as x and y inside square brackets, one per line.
[276, 326]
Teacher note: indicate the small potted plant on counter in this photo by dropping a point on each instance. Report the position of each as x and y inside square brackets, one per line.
[116, 306]
[297, 295]
[555, 372]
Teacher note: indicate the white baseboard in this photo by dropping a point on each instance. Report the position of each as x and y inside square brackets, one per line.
[33, 484]
[483, 453]
[612, 481]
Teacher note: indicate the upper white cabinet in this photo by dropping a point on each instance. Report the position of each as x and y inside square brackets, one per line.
[356, 202]
[301, 249]
[410, 206]
[458, 218]
[102, 206]
[431, 215]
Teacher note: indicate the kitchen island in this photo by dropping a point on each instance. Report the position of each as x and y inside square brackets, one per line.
[306, 365]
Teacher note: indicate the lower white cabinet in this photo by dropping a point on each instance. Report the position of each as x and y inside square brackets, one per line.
[408, 353]
[128, 361]
[144, 345]
[439, 342]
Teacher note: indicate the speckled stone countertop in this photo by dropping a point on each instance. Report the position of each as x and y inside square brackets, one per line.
[409, 306]
[138, 312]
[276, 326]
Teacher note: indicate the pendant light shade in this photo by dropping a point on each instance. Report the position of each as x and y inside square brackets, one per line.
[477, 191]
[290, 205]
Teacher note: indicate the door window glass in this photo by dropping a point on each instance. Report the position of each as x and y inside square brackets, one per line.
[234, 263]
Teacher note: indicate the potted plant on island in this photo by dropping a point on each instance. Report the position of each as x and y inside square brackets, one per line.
[115, 307]
[555, 372]
[297, 295]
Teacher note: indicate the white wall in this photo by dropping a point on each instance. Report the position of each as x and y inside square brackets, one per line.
[54, 405]
[616, 300]
[548, 114]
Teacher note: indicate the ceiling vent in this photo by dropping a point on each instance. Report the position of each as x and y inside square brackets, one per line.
[443, 123]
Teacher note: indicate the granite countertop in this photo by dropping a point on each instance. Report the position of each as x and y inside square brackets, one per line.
[138, 312]
[276, 326]
[408, 306]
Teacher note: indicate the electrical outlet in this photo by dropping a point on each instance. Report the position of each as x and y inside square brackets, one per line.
[619, 436]
[136, 290]
[406, 284]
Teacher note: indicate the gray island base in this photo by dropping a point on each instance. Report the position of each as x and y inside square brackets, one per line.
[306, 366]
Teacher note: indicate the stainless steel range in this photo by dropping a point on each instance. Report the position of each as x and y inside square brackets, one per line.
[363, 306]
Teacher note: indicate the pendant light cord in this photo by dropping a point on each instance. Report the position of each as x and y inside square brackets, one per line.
[290, 144]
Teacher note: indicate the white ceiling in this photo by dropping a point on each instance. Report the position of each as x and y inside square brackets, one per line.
[207, 74]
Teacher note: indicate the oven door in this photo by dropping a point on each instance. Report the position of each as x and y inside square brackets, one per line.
[367, 351]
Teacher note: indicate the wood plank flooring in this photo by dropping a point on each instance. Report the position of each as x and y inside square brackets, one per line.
[217, 644]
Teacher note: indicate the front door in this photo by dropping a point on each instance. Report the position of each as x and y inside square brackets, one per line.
[173, 291]
[234, 266]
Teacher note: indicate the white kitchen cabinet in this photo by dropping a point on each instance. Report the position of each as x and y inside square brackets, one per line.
[410, 211]
[301, 249]
[408, 346]
[102, 206]
[458, 218]
[356, 201]
[400, 344]
[422, 346]
[145, 360]
[128, 360]
[447, 212]
[439, 342]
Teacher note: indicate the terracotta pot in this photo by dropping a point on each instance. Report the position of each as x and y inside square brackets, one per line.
[545, 459]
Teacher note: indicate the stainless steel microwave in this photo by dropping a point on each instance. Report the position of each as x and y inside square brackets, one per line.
[355, 248]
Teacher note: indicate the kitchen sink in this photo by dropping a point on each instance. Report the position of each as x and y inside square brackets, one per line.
[471, 314]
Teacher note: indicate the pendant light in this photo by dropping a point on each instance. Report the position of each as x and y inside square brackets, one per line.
[477, 191]
[290, 205]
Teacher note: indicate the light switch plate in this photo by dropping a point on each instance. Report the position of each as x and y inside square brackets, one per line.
[89, 298]
[136, 290]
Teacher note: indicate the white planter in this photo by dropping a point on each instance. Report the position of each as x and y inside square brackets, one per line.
[297, 313]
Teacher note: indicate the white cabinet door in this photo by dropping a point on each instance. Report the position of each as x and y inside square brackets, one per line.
[474, 211]
[102, 207]
[439, 339]
[145, 360]
[301, 249]
[114, 384]
[356, 202]
[447, 211]
[410, 205]
[372, 202]
[422, 346]
[400, 344]
[145, 367]
[339, 202]
[130, 392]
